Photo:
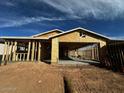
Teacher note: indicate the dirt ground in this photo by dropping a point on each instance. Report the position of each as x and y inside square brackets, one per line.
[30, 77]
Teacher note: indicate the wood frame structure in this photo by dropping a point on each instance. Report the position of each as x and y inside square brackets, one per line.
[34, 48]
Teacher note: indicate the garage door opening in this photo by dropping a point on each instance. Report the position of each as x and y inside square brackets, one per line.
[78, 51]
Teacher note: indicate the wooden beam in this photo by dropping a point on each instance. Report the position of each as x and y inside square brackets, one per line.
[35, 49]
[98, 51]
[5, 49]
[39, 52]
[7, 52]
[14, 51]
[20, 57]
[55, 51]
[93, 55]
[10, 52]
[24, 57]
[32, 54]
[29, 49]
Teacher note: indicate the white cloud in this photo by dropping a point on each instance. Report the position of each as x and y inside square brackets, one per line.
[118, 38]
[74, 9]
[99, 9]
[7, 3]
[24, 20]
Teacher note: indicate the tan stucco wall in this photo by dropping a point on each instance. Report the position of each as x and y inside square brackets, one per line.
[75, 37]
[47, 34]
[55, 50]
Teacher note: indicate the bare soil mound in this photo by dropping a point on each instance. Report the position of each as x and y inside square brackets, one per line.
[30, 77]
[91, 79]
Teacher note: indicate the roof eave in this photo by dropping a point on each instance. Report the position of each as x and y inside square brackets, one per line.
[80, 28]
[20, 38]
[47, 32]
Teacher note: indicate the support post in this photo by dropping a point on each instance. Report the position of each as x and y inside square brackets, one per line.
[55, 50]
[20, 57]
[32, 54]
[35, 52]
[5, 49]
[29, 49]
[14, 51]
[10, 52]
[98, 52]
[39, 52]
[7, 52]
[24, 57]
[93, 53]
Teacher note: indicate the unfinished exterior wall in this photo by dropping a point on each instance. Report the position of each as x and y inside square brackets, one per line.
[89, 52]
[47, 35]
[1, 50]
[37, 50]
[16, 50]
[55, 50]
[75, 37]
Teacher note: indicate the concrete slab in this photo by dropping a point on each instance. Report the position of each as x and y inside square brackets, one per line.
[75, 62]
[83, 62]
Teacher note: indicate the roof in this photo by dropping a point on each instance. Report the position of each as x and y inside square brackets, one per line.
[60, 33]
[32, 37]
[54, 30]
[5, 37]
[83, 29]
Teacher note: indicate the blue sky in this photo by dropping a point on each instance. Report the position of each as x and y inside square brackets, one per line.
[28, 17]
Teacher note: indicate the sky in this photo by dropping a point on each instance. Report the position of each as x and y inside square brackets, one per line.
[29, 17]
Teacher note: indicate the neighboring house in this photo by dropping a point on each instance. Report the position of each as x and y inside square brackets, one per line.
[54, 45]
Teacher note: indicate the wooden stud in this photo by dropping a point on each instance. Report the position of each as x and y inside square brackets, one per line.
[39, 52]
[11, 46]
[55, 50]
[5, 49]
[7, 52]
[35, 50]
[32, 55]
[24, 57]
[14, 51]
[29, 49]
[93, 54]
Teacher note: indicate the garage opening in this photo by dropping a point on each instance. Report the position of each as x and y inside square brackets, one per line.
[78, 51]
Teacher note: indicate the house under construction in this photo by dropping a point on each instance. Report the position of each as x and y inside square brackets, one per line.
[55, 45]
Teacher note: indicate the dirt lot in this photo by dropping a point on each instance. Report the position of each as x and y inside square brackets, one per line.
[43, 78]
